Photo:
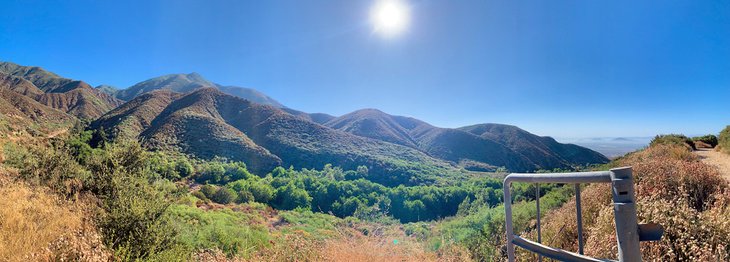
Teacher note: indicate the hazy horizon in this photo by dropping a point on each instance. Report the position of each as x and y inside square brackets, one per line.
[552, 68]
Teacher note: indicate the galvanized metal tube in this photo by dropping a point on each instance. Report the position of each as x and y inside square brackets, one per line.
[539, 233]
[550, 252]
[627, 228]
[563, 178]
[579, 217]
[508, 219]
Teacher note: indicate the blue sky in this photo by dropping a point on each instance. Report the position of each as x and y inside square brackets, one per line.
[558, 68]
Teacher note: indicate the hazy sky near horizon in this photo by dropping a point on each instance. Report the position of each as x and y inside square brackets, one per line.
[558, 68]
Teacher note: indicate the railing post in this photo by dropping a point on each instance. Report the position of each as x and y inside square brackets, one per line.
[579, 218]
[627, 232]
[539, 233]
[508, 221]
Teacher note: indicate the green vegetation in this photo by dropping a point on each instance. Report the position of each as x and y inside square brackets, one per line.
[673, 139]
[161, 206]
[710, 140]
[724, 140]
[233, 233]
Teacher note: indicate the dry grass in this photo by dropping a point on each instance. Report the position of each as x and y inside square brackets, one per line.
[347, 247]
[674, 189]
[35, 225]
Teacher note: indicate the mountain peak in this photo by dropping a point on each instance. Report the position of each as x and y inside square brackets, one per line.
[184, 83]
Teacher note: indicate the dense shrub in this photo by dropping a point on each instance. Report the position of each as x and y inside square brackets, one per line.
[133, 220]
[724, 140]
[290, 197]
[710, 140]
[221, 172]
[224, 196]
[673, 139]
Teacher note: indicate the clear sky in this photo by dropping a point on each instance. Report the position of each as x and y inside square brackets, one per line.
[559, 68]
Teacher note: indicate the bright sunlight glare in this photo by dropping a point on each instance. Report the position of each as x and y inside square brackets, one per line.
[390, 17]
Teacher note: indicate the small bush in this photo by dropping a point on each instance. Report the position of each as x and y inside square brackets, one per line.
[208, 191]
[199, 195]
[223, 196]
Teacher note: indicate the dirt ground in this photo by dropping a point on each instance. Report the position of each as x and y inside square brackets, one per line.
[717, 159]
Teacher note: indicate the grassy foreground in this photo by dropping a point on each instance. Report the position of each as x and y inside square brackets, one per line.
[68, 199]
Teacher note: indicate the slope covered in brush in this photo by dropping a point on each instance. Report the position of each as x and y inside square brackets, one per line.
[543, 151]
[71, 96]
[21, 113]
[209, 123]
[472, 147]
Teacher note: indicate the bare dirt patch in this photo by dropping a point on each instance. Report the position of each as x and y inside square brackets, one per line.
[716, 159]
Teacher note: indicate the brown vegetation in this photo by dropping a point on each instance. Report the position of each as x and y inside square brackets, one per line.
[36, 225]
[674, 189]
[355, 248]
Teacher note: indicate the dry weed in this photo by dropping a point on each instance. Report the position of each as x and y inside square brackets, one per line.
[36, 225]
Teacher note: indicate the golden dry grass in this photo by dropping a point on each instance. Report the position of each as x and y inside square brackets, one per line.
[35, 225]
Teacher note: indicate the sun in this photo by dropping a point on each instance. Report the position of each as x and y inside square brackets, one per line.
[390, 17]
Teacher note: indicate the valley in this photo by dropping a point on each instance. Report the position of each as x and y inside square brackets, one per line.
[178, 168]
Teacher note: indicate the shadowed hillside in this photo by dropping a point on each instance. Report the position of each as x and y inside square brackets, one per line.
[209, 123]
[543, 151]
[477, 147]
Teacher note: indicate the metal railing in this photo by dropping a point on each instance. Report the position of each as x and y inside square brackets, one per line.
[628, 231]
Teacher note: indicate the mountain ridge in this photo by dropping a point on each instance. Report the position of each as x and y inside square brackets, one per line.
[466, 144]
[71, 96]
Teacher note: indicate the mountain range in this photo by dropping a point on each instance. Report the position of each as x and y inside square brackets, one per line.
[74, 97]
[189, 114]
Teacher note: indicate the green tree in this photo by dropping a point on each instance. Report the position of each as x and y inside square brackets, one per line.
[224, 196]
[262, 192]
[290, 197]
[184, 168]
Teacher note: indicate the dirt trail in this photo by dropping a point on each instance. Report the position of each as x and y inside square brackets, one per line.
[717, 159]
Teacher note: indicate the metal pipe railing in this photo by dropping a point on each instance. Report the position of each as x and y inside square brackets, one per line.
[579, 218]
[627, 229]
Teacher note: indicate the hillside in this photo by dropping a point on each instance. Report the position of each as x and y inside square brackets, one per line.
[476, 147]
[71, 96]
[544, 151]
[184, 83]
[19, 113]
[208, 122]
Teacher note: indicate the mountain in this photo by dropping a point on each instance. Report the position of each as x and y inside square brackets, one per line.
[21, 113]
[319, 118]
[209, 123]
[250, 94]
[544, 151]
[71, 96]
[184, 83]
[109, 90]
[175, 82]
[479, 147]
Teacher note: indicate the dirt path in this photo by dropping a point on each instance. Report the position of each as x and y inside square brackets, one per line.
[717, 159]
